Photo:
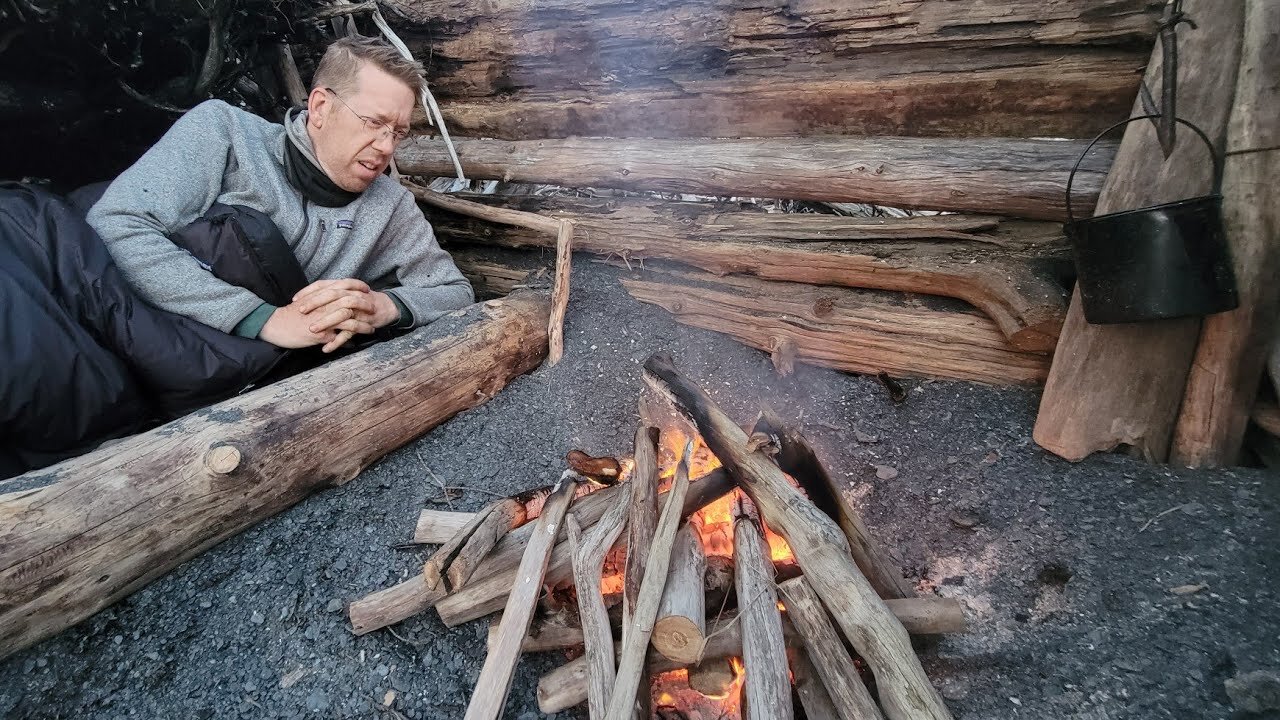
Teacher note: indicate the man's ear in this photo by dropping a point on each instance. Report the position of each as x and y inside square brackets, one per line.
[318, 105]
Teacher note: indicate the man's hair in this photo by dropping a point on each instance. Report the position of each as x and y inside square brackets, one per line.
[344, 58]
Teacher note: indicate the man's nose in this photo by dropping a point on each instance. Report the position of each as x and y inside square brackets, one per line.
[384, 143]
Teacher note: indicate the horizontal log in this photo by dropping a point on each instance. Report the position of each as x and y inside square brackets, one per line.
[717, 68]
[115, 519]
[850, 330]
[1024, 178]
[436, 527]
[1005, 268]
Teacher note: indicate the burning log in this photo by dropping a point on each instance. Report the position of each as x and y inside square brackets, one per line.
[1004, 176]
[820, 548]
[1005, 268]
[635, 635]
[767, 687]
[712, 677]
[156, 503]
[680, 631]
[588, 560]
[798, 459]
[826, 650]
[604, 470]
[850, 330]
[487, 591]
[465, 550]
[499, 665]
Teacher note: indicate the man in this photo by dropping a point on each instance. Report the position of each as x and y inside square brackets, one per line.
[370, 256]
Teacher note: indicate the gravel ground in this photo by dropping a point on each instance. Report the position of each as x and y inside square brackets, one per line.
[1066, 571]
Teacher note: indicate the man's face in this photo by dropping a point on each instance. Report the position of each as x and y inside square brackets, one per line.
[351, 152]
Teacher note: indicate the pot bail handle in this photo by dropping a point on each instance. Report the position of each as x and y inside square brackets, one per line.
[1217, 159]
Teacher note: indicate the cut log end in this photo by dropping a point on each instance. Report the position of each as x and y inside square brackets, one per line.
[678, 638]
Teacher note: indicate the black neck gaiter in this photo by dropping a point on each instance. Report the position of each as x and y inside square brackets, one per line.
[311, 181]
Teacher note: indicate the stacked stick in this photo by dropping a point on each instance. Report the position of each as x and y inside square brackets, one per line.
[653, 594]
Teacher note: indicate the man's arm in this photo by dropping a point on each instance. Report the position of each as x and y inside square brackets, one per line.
[430, 283]
[170, 186]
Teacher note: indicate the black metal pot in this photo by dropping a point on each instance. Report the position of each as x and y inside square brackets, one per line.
[1163, 261]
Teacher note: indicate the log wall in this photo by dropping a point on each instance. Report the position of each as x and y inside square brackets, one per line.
[520, 69]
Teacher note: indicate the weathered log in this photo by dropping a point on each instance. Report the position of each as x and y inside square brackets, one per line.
[1231, 352]
[635, 636]
[1266, 415]
[1006, 269]
[820, 549]
[766, 685]
[1023, 178]
[460, 556]
[680, 630]
[489, 279]
[717, 68]
[1114, 385]
[155, 504]
[439, 526]
[484, 595]
[813, 695]
[490, 694]
[644, 515]
[588, 559]
[826, 650]
[560, 291]
[798, 459]
[851, 330]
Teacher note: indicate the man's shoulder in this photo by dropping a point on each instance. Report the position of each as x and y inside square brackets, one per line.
[211, 112]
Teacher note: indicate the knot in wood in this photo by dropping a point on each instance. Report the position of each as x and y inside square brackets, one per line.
[222, 460]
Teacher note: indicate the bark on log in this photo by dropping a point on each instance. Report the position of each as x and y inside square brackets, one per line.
[1231, 352]
[718, 68]
[439, 526]
[635, 636]
[1006, 269]
[490, 694]
[588, 559]
[827, 652]
[851, 330]
[1023, 178]
[154, 504]
[819, 547]
[680, 630]
[484, 595]
[1114, 385]
[766, 686]
[798, 459]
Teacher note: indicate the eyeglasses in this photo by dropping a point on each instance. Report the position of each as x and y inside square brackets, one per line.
[373, 125]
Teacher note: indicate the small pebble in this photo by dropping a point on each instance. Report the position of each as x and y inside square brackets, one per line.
[256, 618]
[886, 472]
[334, 605]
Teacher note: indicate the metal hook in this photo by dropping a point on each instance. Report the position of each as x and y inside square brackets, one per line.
[1165, 122]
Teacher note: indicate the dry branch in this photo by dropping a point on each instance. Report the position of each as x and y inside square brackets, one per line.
[439, 526]
[468, 547]
[155, 504]
[766, 687]
[490, 694]
[820, 549]
[827, 652]
[588, 560]
[644, 515]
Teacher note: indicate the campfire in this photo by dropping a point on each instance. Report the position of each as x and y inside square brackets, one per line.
[669, 581]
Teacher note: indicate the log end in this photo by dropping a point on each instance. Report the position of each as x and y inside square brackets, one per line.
[678, 638]
[222, 459]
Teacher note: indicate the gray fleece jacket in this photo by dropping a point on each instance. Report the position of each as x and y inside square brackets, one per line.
[218, 153]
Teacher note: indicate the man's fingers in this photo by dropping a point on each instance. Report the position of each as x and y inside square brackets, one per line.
[338, 341]
[329, 300]
[349, 284]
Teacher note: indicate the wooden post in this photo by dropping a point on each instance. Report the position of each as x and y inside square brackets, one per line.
[766, 686]
[1232, 349]
[491, 690]
[560, 292]
[1114, 385]
[820, 549]
[156, 504]
[827, 652]
[680, 631]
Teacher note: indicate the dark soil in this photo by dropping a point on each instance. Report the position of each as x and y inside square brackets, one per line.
[1067, 572]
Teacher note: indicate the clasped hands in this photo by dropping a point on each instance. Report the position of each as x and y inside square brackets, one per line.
[329, 313]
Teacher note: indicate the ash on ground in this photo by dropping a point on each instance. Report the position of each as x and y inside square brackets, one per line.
[1105, 589]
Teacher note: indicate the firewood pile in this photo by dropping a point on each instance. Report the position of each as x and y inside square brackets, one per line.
[716, 573]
